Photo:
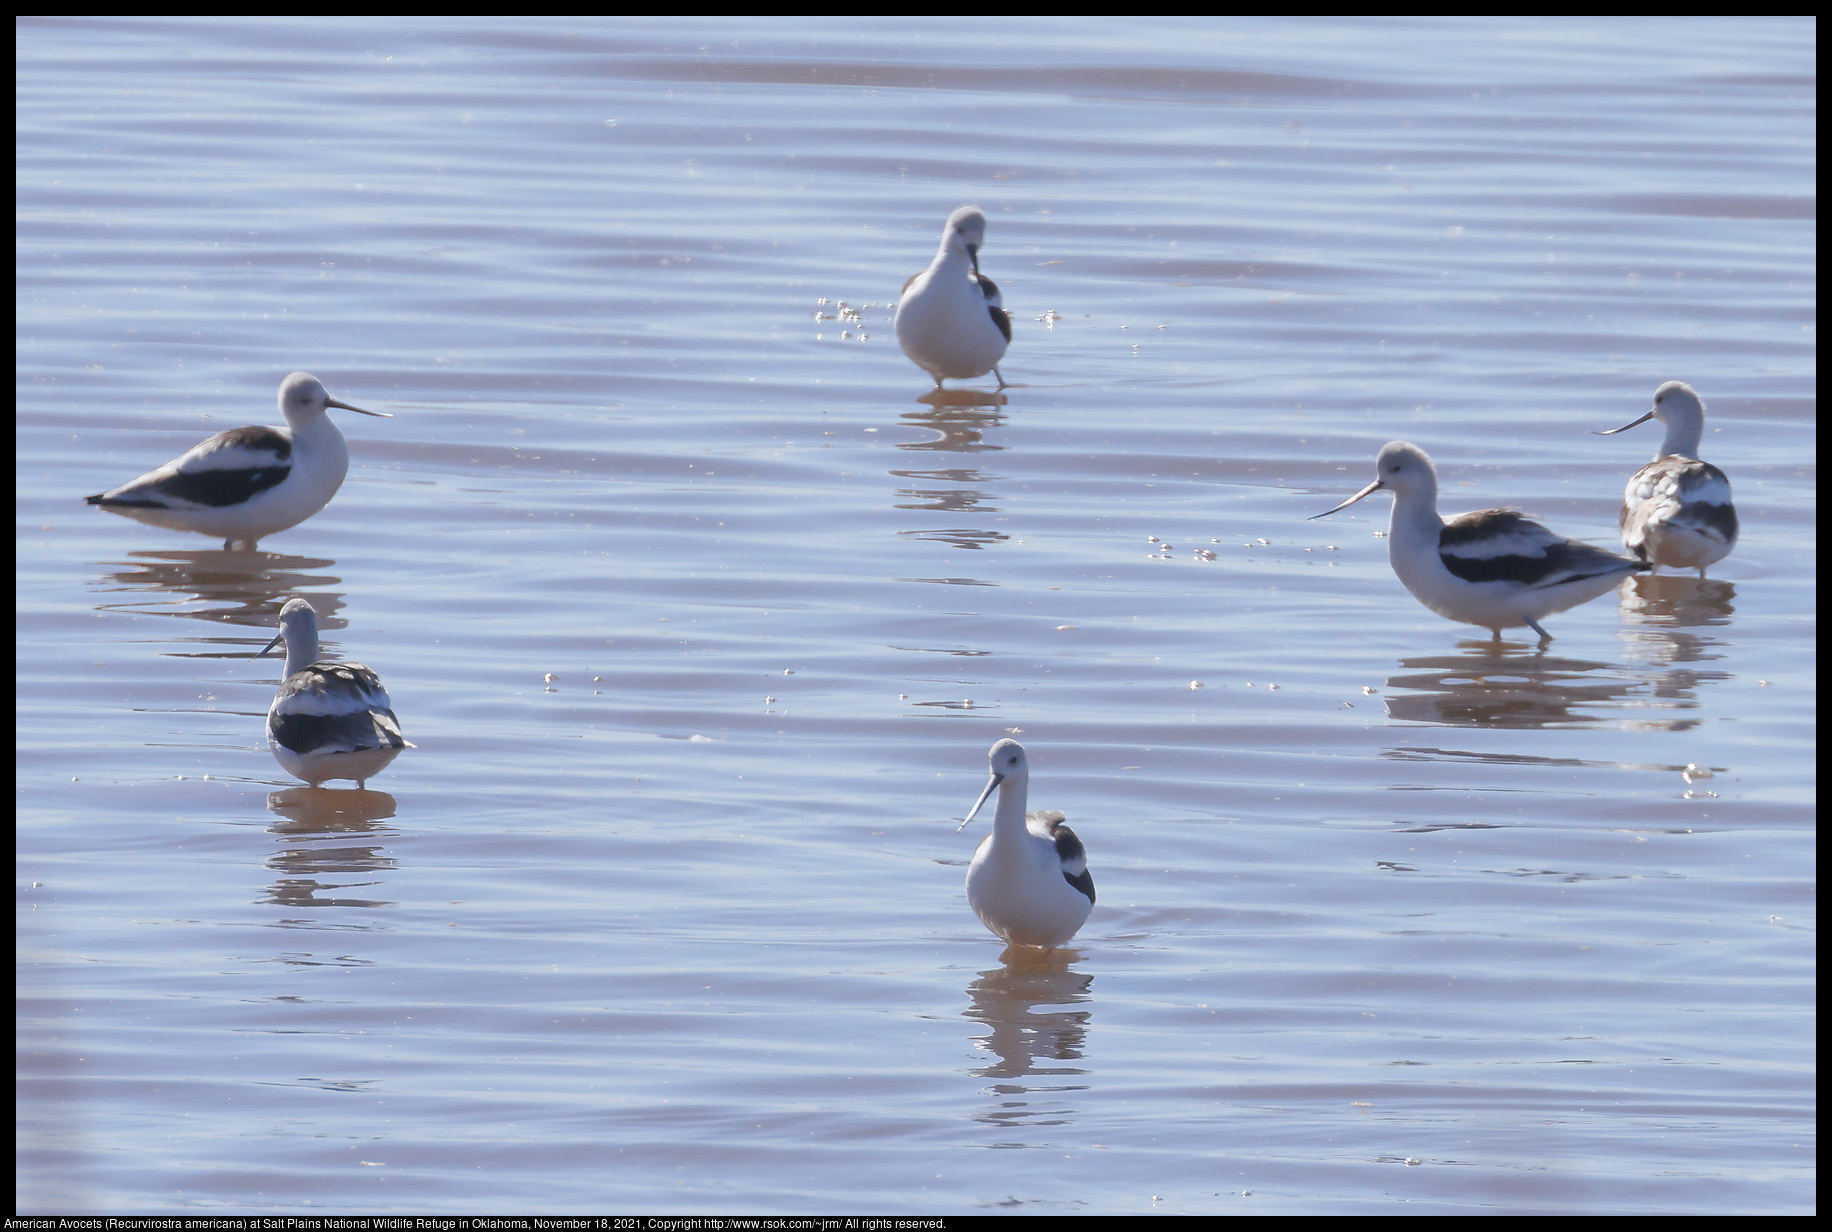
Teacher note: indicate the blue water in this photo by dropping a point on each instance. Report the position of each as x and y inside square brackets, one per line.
[702, 618]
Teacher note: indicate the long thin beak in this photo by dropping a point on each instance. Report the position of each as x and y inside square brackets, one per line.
[345, 406]
[1625, 427]
[973, 255]
[1372, 488]
[278, 638]
[991, 783]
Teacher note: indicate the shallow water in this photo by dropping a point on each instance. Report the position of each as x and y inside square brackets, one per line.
[703, 611]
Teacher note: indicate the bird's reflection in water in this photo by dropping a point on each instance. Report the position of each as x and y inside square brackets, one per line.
[961, 427]
[327, 837]
[1658, 614]
[234, 588]
[1417, 753]
[1026, 1042]
[1656, 610]
[1504, 685]
[960, 538]
[944, 500]
[958, 398]
[960, 418]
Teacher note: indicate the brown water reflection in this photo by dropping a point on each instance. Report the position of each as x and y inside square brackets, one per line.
[963, 398]
[1677, 602]
[1418, 753]
[1657, 615]
[238, 588]
[316, 826]
[961, 418]
[962, 427]
[959, 537]
[1490, 687]
[946, 500]
[1025, 1042]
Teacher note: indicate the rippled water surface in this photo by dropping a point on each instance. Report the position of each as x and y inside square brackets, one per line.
[703, 609]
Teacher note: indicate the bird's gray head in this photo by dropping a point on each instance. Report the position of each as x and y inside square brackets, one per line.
[302, 396]
[298, 627]
[965, 232]
[1006, 759]
[1007, 763]
[1400, 467]
[1673, 401]
[1677, 398]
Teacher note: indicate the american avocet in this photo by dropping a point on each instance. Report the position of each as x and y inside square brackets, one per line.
[1029, 880]
[329, 720]
[1676, 510]
[247, 483]
[1496, 568]
[950, 318]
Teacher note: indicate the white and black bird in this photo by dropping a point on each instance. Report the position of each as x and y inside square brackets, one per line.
[1029, 880]
[329, 720]
[1495, 568]
[247, 483]
[1676, 510]
[951, 319]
